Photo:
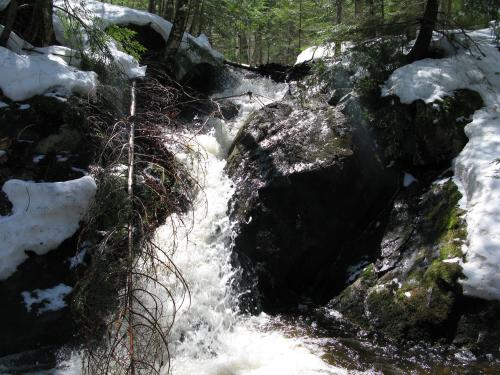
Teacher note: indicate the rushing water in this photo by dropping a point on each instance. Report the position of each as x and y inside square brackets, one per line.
[210, 336]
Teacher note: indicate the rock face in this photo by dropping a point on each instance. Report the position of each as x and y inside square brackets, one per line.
[42, 140]
[309, 202]
[412, 291]
[425, 136]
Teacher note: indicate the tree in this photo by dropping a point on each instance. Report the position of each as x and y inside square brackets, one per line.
[427, 26]
[41, 30]
[177, 32]
[10, 18]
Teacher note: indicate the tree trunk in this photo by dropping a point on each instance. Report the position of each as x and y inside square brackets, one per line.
[10, 18]
[41, 31]
[300, 24]
[339, 11]
[177, 32]
[427, 26]
[195, 21]
[169, 10]
[152, 6]
[357, 8]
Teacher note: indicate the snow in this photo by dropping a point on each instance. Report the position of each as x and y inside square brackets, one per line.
[23, 76]
[3, 104]
[52, 299]
[43, 216]
[110, 14]
[408, 179]
[38, 158]
[477, 167]
[26, 71]
[3, 4]
[315, 53]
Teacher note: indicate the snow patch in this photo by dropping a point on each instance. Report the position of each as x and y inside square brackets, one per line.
[408, 179]
[52, 299]
[43, 216]
[315, 53]
[24, 76]
[477, 167]
[4, 4]
[110, 14]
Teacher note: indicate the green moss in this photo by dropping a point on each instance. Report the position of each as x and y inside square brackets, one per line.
[368, 272]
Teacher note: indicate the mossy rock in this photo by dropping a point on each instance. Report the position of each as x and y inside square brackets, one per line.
[423, 134]
[417, 297]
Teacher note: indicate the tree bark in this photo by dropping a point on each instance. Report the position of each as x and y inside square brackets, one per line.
[427, 26]
[152, 6]
[358, 8]
[10, 18]
[41, 31]
[177, 32]
[339, 11]
[169, 10]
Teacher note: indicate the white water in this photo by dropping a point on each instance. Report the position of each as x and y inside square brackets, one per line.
[209, 336]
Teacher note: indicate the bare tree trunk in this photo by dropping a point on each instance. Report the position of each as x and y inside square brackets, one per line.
[300, 24]
[358, 8]
[339, 11]
[169, 10]
[243, 48]
[177, 32]
[10, 18]
[152, 6]
[195, 22]
[41, 31]
[427, 26]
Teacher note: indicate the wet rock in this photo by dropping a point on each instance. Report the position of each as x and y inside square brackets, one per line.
[309, 202]
[29, 330]
[44, 140]
[422, 136]
[412, 291]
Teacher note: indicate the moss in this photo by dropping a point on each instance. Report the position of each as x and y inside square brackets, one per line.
[368, 272]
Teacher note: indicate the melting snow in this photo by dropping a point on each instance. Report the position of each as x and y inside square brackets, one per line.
[477, 168]
[408, 180]
[316, 52]
[43, 216]
[52, 299]
[23, 76]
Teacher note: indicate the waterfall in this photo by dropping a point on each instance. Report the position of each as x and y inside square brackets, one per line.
[210, 336]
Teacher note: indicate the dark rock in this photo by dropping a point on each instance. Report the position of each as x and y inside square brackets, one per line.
[43, 142]
[55, 131]
[309, 203]
[412, 291]
[424, 136]
[27, 330]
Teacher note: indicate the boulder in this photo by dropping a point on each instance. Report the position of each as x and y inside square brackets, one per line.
[310, 198]
[422, 136]
[412, 291]
[42, 139]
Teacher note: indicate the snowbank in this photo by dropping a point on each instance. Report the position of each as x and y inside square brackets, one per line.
[43, 216]
[315, 53]
[196, 48]
[477, 168]
[23, 76]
